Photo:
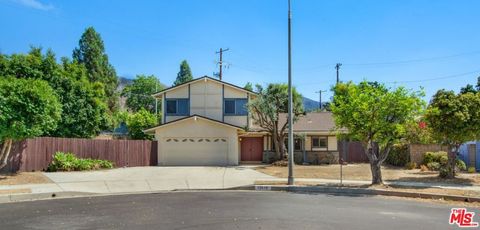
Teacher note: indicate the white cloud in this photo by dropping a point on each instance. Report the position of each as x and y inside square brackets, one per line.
[35, 4]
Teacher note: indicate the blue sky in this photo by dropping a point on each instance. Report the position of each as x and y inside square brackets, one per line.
[434, 44]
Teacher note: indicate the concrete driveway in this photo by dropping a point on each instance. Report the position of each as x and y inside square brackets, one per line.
[144, 179]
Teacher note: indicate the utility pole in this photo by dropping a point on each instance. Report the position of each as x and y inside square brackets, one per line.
[220, 63]
[290, 100]
[156, 100]
[320, 98]
[337, 67]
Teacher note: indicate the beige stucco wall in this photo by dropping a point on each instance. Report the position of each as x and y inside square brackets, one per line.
[231, 92]
[308, 143]
[172, 118]
[198, 128]
[240, 121]
[332, 143]
[180, 92]
[206, 99]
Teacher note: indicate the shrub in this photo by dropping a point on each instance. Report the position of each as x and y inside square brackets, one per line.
[434, 166]
[434, 157]
[424, 168]
[461, 166]
[398, 156]
[411, 165]
[69, 162]
[443, 172]
[471, 170]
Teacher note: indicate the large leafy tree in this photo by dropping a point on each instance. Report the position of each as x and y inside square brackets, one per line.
[91, 53]
[84, 111]
[454, 119]
[139, 121]
[266, 108]
[184, 75]
[376, 116]
[470, 88]
[139, 93]
[28, 108]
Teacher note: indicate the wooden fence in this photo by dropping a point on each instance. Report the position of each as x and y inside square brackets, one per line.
[35, 154]
[355, 152]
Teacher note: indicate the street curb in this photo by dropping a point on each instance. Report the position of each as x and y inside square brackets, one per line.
[41, 196]
[361, 191]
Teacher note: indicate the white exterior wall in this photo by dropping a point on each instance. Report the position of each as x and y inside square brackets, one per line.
[198, 128]
[206, 99]
[332, 143]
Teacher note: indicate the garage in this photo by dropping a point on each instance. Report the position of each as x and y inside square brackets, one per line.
[195, 151]
[197, 141]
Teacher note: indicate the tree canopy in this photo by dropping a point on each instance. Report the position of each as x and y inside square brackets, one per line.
[139, 93]
[139, 121]
[454, 119]
[184, 75]
[91, 53]
[266, 108]
[28, 108]
[84, 112]
[376, 116]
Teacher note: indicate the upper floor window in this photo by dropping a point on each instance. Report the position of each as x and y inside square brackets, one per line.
[235, 106]
[177, 107]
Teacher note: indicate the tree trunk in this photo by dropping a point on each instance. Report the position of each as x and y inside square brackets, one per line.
[374, 157]
[452, 156]
[376, 173]
[5, 152]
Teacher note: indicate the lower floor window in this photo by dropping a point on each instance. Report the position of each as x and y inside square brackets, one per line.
[319, 142]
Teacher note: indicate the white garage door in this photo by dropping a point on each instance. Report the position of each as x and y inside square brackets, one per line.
[195, 151]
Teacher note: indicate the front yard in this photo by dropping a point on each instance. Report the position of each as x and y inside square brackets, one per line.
[362, 172]
[23, 178]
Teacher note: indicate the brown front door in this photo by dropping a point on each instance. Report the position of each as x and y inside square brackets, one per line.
[252, 149]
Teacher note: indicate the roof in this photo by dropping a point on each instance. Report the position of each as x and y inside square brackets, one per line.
[159, 93]
[150, 130]
[312, 122]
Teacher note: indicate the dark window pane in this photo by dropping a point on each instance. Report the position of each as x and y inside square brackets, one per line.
[315, 142]
[298, 144]
[323, 142]
[171, 106]
[182, 107]
[229, 107]
[241, 107]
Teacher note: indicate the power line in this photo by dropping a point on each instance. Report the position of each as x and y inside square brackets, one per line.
[436, 78]
[414, 60]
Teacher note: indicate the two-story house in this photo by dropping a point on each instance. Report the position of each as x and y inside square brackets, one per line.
[205, 122]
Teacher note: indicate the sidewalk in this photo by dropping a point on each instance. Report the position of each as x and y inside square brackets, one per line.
[141, 179]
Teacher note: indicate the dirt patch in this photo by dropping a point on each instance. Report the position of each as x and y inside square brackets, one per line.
[24, 178]
[362, 172]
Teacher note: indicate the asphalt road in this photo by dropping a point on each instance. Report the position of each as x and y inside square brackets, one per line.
[226, 210]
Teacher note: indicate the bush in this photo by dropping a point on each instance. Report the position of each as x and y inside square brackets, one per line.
[461, 166]
[443, 172]
[398, 156]
[434, 166]
[435, 157]
[411, 165]
[69, 162]
[471, 170]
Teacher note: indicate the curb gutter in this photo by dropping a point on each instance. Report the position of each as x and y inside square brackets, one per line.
[361, 191]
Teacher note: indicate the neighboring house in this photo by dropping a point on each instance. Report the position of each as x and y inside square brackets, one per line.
[205, 122]
[470, 154]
